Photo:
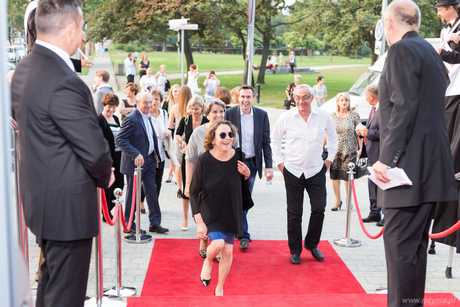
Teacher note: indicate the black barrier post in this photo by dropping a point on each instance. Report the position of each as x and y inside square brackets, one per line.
[258, 92]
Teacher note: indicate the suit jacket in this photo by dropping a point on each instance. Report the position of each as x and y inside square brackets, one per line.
[261, 134]
[133, 140]
[413, 133]
[63, 154]
[373, 138]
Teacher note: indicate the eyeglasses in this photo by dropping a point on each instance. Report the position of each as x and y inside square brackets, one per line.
[223, 135]
[304, 98]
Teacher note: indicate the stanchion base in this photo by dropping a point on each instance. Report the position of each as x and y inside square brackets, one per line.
[106, 302]
[449, 272]
[343, 242]
[142, 239]
[124, 292]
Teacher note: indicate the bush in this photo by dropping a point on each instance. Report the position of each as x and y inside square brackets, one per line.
[130, 48]
[119, 46]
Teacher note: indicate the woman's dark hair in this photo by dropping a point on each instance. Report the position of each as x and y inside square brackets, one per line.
[211, 133]
[223, 94]
[319, 78]
[157, 93]
[133, 88]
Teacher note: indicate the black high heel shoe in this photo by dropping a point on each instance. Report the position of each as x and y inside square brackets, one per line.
[339, 207]
[205, 282]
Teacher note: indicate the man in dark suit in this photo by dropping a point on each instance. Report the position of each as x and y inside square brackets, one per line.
[413, 137]
[372, 141]
[138, 143]
[64, 156]
[254, 134]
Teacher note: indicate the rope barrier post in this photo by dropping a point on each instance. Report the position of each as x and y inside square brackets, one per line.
[23, 235]
[119, 291]
[138, 238]
[347, 241]
[98, 269]
[449, 263]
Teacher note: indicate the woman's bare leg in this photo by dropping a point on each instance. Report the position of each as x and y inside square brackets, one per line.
[224, 268]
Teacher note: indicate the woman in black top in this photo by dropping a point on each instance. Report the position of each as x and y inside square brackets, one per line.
[183, 132]
[129, 104]
[110, 126]
[143, 65]
[216, 199]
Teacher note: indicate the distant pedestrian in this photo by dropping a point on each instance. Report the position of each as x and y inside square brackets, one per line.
[281, 59]
[211, 83]
[224, 94]
[101, 86]
[162, 80]
[106, 48]
[289, 102]
[143, 65]
[130, 66]
[148, 82]
[129, 104]
[192, 79]
[319, 92]
[292, 62]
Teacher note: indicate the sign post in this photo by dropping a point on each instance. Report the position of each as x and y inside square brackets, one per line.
[250, 40]
[181, 24]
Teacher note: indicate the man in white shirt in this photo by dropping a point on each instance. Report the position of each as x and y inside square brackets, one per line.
[304, 128]
[130, 66]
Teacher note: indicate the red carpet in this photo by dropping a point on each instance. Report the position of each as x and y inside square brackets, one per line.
[260, 276]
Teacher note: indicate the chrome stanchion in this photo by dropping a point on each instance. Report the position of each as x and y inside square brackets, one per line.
[23, 235]
[138, 238]
[449, 263]
[347, 241]
[119, 291]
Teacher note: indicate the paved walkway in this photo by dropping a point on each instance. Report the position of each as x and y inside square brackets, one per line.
[267, 221]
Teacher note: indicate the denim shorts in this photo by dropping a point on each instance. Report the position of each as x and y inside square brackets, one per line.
[216, 235]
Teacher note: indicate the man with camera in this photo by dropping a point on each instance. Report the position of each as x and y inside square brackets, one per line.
[130, 66]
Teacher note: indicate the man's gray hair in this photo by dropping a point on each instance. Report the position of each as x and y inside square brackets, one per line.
[53, 15]
[373, 89]
[404, 13]
[143, 95]
[210, 103]
[303, 86]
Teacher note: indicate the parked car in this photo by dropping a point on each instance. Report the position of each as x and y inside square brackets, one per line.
[21, 51]
[13, 55]
[358, 102]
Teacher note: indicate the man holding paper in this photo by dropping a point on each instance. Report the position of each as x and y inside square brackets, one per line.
[413, 137]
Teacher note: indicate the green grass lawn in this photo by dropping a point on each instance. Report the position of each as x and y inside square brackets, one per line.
[272, 93]
[224, 62]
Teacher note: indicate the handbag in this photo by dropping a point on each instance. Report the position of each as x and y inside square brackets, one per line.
[360, 168]
[287, 103]
[245, 193]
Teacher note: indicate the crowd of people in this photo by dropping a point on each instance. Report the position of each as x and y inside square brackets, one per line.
[216, 149]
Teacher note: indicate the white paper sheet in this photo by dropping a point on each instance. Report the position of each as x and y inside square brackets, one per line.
[397, 175]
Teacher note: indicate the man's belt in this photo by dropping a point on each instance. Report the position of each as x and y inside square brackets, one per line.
[252, 159]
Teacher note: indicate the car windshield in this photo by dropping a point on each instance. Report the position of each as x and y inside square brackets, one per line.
[369, 77]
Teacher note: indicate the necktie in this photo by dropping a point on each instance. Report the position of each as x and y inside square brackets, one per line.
[370, 118]
[448, 26]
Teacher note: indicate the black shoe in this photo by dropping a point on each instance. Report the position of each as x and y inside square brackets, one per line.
[315, 252]
[244, 244]
[205, 282]
[432, 249]
[143, 211]
[372, 218]
[381, 223]
[158, 228]
[295, 259]
[179, 193]
[203, 253]
[339, 207]
[133, 231]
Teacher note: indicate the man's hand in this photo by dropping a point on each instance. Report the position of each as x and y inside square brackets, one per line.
[328, 164]
[86, 63]
[139, 161]
[361, 132]
[380, 170]
[281, 167]
[112, 177]
[269, 174]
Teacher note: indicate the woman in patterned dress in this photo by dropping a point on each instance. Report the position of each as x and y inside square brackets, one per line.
[349, 148]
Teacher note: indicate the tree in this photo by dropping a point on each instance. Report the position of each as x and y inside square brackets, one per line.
[16, 10]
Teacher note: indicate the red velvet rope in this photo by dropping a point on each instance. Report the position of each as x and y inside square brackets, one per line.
[359, 215]
[128, 228]
[105, 210]
[446, 232]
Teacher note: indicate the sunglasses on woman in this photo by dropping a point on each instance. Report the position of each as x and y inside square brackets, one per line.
[223, 135]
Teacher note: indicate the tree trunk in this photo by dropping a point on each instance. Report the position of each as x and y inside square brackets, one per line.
[263, 63]
[187, 51]
[164, 45]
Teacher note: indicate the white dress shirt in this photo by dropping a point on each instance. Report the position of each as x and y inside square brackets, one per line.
[145, 118]
[160, 125]
[130, 67]
[247, 134]
[61, 53]
[304, 141]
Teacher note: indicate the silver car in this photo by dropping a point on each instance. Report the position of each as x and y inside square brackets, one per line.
[13, 55]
